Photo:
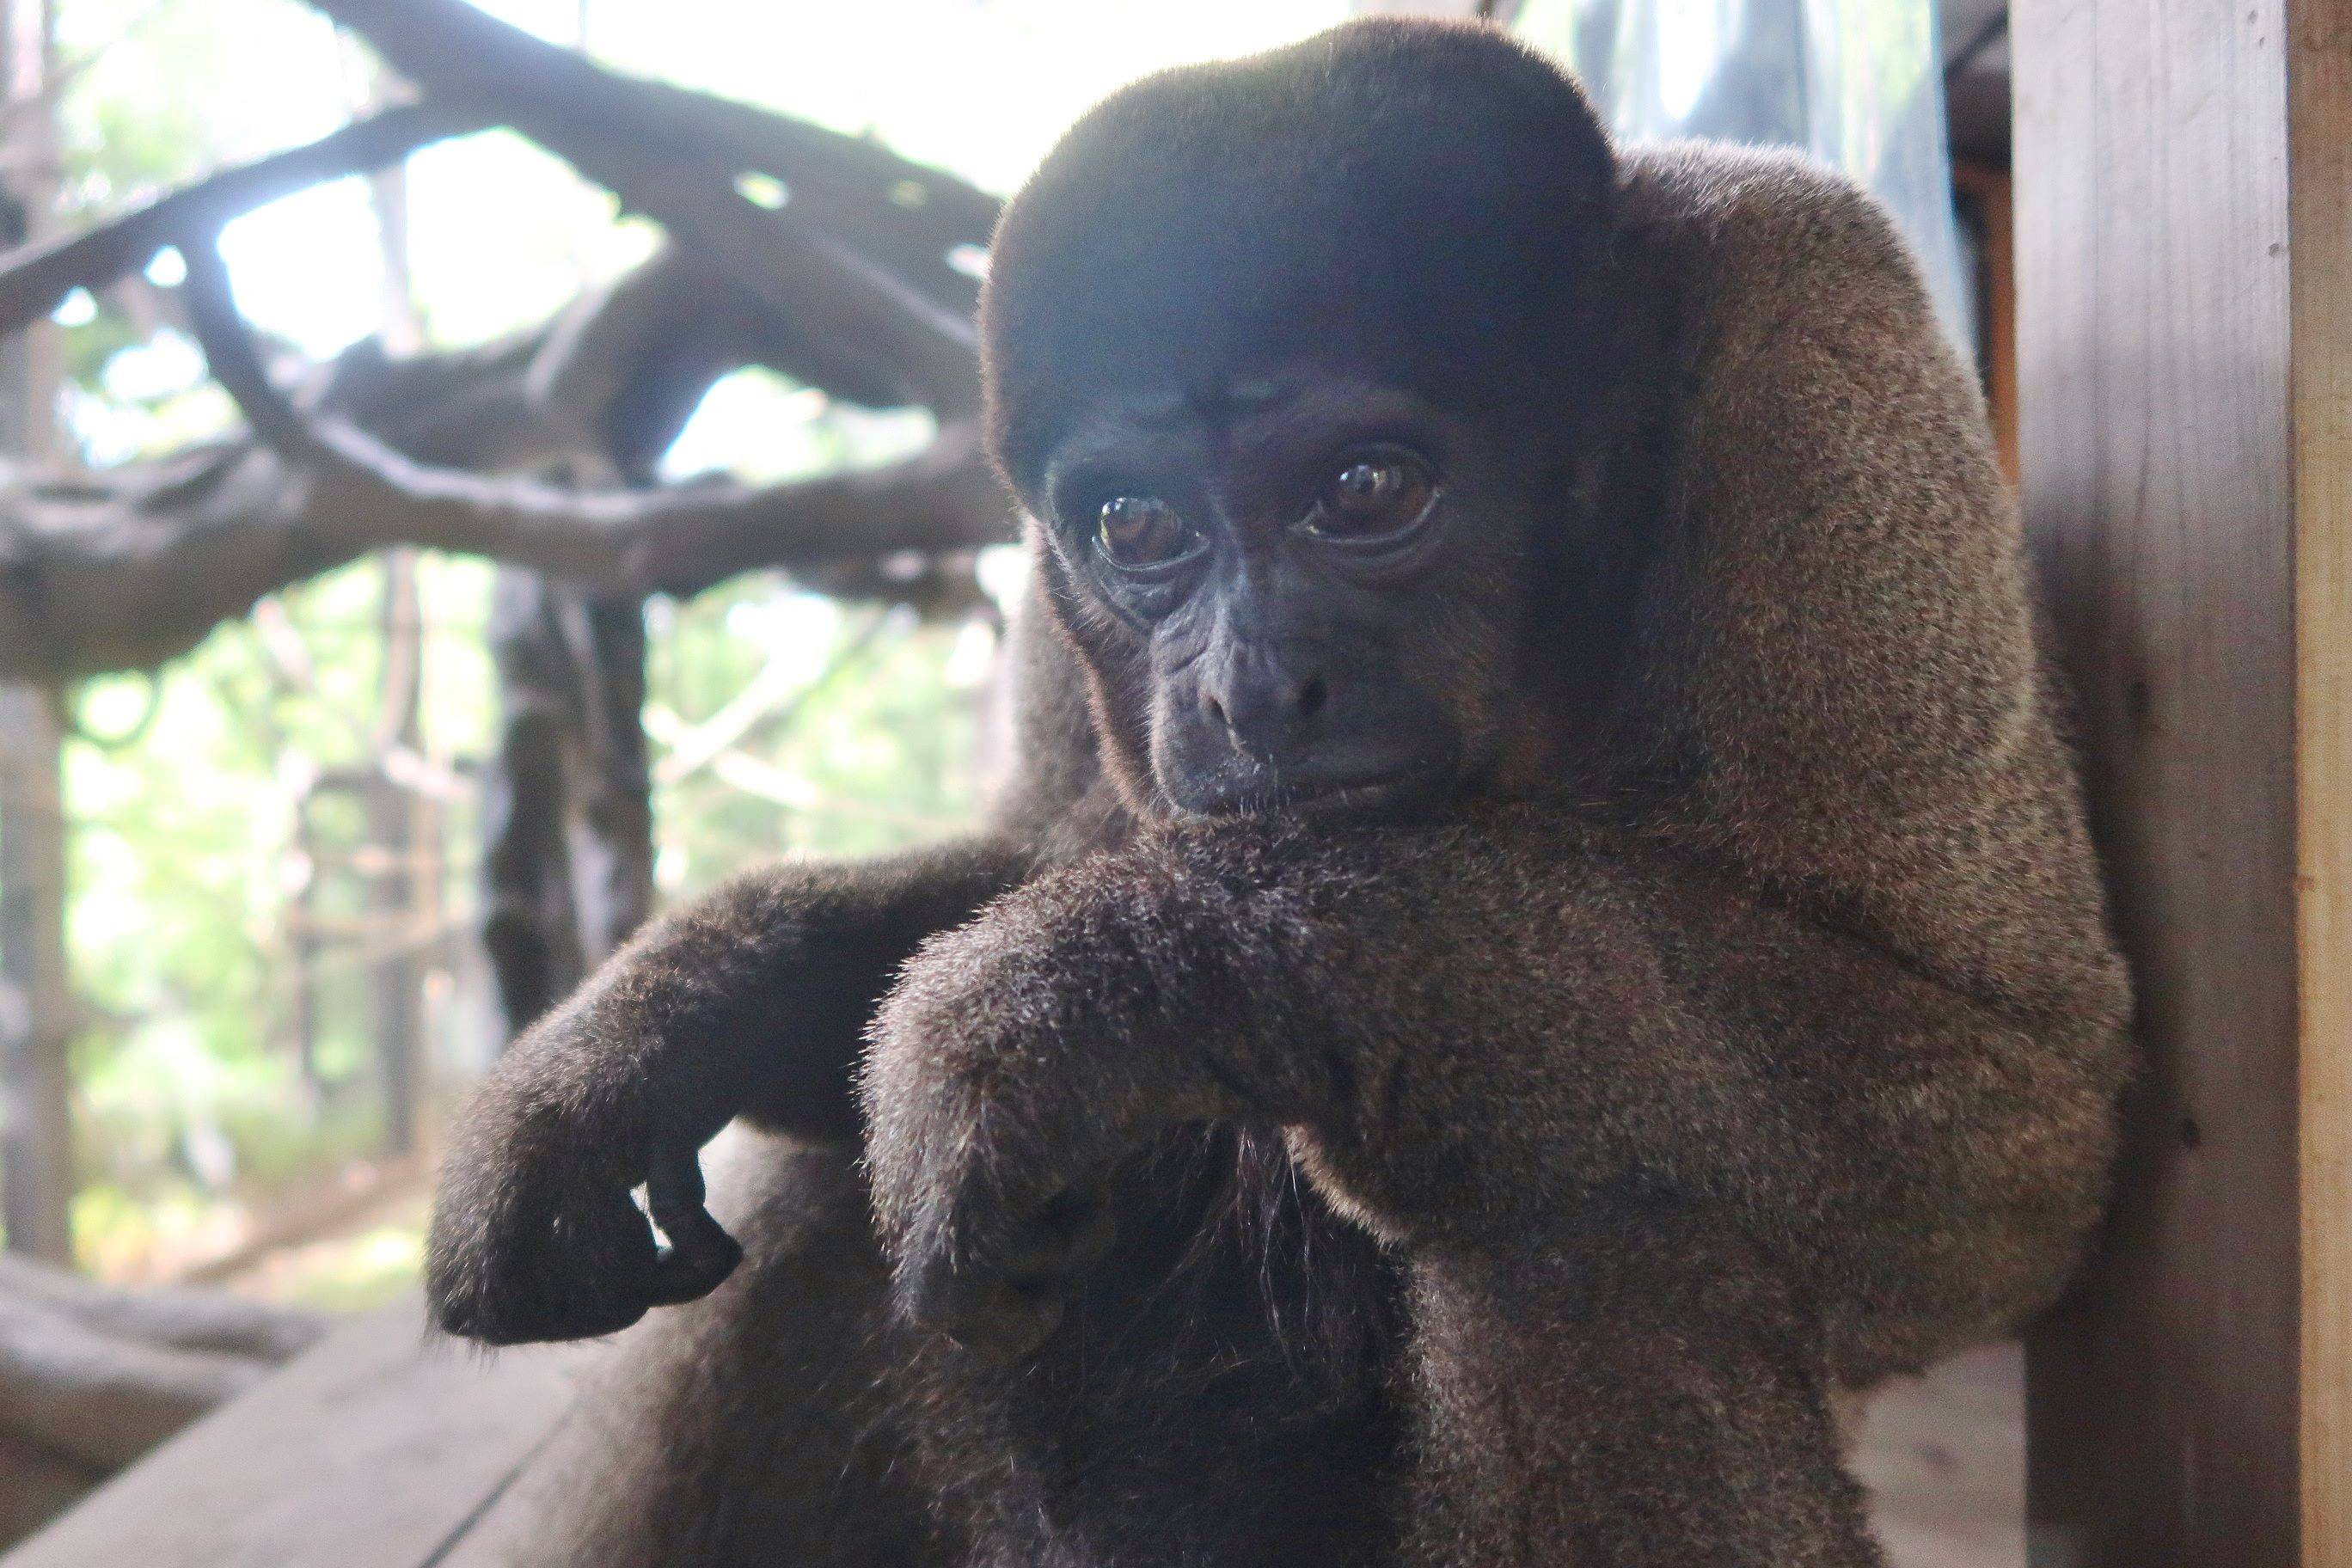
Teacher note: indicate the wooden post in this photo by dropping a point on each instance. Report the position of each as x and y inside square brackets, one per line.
[401, 824]
[2184, 222]
[2319, 74]
[36, 1005]
[36, 1010]
[1988, 189]
[397, 980]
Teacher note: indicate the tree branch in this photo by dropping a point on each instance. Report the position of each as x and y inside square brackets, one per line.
[928, 353]
[233, 360]
[33, 278]
[131, 574]
[672, 539]
[126, 569]
[675, 156]
[904, 212]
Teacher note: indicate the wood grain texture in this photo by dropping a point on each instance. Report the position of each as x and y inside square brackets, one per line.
[1944, 1458]
[1989, 189]
[376, 1450]
[2319, 87]
[2174, 307]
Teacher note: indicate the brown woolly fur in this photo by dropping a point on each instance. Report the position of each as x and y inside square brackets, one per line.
[1501, 1167]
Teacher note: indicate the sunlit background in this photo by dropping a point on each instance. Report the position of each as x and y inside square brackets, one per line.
[225, 943]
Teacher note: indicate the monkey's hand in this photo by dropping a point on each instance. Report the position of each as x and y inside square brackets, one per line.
[534, 1234]
[748, 1002]
[1024, 1055]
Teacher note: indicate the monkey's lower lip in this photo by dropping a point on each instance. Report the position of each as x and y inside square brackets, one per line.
[1363, 793]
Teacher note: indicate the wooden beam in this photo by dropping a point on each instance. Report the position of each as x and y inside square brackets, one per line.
[2184, 277]
[35, 1007]
[2319, 218]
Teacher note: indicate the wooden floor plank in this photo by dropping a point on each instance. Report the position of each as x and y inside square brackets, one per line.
[1944, 1458]
[376, 1450]
[379, 1450]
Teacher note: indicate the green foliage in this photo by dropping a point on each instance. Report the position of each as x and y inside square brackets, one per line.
[189, 855]
[869, 747]
[164, 90]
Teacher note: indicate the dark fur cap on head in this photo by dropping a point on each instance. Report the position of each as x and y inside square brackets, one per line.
[1412, 201]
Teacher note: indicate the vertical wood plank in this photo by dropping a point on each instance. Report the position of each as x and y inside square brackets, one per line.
[2180, 183]
[2319, 88]
[1988, 187]
[2150, 159]
[36, 1007]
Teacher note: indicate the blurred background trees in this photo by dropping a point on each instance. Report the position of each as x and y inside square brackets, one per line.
[289, 823]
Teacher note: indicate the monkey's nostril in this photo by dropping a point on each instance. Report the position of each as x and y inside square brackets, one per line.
[1312, 698]
[1216, 710]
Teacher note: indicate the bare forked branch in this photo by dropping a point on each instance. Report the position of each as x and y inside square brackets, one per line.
[865, 237]
[848, 285]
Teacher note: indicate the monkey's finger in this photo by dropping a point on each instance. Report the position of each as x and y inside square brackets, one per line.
[587, 1274]
[1003, 1320]
[1067, 1235]
[700, 1254]
[699, 1258]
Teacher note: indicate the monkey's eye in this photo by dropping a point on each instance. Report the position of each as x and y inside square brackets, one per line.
[1137, 532]
[1375, 493]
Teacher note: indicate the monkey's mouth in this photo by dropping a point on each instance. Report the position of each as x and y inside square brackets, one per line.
[1387, 792]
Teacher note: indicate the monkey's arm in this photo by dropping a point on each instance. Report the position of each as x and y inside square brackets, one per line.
[1662, 1162]
[750, 1001]
[1468, 1030]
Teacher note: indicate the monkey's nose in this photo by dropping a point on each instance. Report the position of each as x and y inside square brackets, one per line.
[1267, 707]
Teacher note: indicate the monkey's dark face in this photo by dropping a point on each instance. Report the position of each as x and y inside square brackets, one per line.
[1279, 351]
[1303, 580]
